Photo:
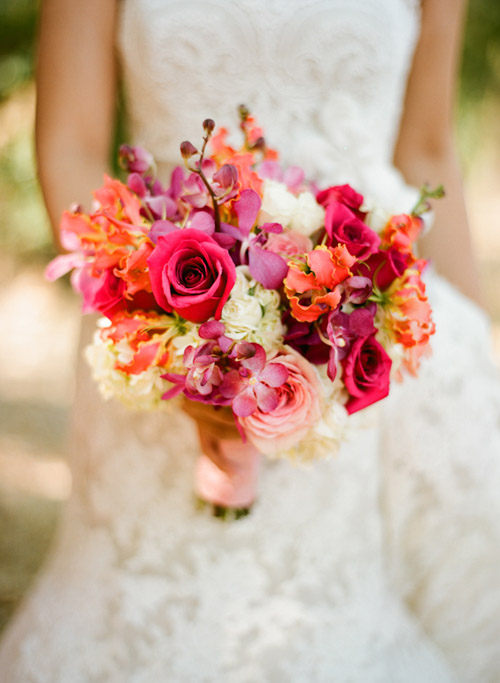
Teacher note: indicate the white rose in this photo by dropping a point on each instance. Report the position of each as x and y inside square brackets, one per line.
[308, 216]
[252, 312]
[279, 205]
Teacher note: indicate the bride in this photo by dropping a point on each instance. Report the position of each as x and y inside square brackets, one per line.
[379, 565]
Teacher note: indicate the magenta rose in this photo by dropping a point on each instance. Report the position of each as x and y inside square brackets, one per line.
[384, 267]
[366, 373]
[105, 294]
[344, 227]
[343, 194]
[191, 274]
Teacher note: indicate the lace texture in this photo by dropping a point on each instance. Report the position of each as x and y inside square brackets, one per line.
[376, 566]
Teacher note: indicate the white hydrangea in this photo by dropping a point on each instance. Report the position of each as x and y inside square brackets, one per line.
[179, 344]
[376, 216]
[142, 391]
[252, 312]
[301, 213]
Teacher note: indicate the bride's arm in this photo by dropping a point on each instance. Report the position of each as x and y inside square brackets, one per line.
[76, 76]
[426, 151]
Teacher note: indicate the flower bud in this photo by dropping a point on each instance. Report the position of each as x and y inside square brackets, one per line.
[135, 159]
[226, 176]
[259, 144]
[243, 112]
[208, 125]
[188, 149]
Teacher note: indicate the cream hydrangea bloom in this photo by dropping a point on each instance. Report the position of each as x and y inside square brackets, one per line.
[301, 213]
[142, 391]
[252, 312]
[179, 344]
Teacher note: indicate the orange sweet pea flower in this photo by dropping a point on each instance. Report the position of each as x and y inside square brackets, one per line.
[401, 232]
[145, 334]
[409, 315]
[118, 201]
[317, 280]
[134, 270]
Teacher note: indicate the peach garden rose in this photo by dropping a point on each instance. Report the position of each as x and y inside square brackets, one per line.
[298, 408]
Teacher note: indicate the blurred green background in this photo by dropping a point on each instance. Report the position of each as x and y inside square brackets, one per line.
[36, 369]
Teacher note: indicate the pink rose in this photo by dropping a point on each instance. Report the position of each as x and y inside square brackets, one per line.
[105, 294]
[343, 194]
[191, 274]
[298, 407]
[344, 227]
[289, 243]
[110, 297]
[366, 373]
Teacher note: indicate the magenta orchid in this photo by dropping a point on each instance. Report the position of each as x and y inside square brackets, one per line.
[253, 385]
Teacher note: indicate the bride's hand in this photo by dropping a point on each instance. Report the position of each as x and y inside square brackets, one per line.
[213, 426]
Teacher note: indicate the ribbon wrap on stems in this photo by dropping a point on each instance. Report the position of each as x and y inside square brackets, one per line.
[230, 484]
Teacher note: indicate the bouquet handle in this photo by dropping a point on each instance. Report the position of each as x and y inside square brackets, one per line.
[230, 484]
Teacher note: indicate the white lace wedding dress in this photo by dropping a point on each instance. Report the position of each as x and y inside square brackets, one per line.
[380, 565]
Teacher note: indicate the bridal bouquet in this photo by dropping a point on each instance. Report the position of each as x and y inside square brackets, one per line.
[241, 284]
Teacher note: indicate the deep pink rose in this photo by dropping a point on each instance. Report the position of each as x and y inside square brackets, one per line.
[104, 294]
[191, 274]
[109, 298]
[366, 373]
[383, 267]
[343, 227]
[343, 194]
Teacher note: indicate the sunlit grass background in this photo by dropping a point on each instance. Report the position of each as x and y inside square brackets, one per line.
[36, 380]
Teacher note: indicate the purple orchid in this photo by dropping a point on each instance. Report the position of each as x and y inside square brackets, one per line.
[292, 177]
[253, 385]
[356, 289]
[305, 338]
[268, 268]
[343, 329]
[135, 159]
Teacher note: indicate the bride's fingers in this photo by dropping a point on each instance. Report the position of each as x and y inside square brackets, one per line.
[219, 430]
[219, 418]
[210, 446]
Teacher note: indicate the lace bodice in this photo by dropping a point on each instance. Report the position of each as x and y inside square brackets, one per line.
[370, 567]
[326, 79]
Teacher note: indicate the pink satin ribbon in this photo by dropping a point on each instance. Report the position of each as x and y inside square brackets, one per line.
[232, 482]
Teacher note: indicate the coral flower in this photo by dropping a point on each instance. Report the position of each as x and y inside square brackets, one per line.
[312, 287]
[408, 314]
[401, 232]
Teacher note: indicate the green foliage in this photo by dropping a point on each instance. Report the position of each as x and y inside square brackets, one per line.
[24, 226]
[480, 72]
[17, 39]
